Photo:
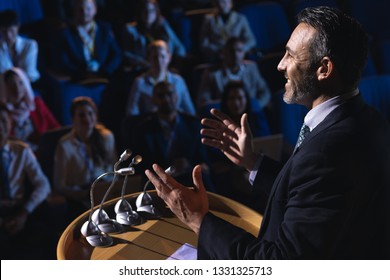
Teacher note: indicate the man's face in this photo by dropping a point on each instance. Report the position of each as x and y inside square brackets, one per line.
[301, 85]
[165, 98]
[150, 13]
[9, 34]
[4, 127]
[160, 59]
[225, 6]
[85, 11]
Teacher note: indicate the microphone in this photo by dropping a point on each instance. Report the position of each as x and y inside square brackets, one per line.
[124, 156]
[99, 224]
[125, 214]
[144, 200]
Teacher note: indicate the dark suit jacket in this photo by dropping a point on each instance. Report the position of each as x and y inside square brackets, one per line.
[329, 201]
[70, 56]
[153, 147]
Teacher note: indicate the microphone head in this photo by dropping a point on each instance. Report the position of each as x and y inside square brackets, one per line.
[126, 171]
[125, 155]
[170, 170]
[137, 159]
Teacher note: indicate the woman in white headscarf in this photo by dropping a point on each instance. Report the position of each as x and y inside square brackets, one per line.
[30, 115]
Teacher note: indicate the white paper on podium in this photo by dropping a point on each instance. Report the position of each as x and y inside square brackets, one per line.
[185, 252]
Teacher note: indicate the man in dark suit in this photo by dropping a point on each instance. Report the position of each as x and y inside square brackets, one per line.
[331, 198]
[87, 48]
[168, 136]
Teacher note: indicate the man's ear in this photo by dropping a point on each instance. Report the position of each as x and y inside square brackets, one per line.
[325, 69]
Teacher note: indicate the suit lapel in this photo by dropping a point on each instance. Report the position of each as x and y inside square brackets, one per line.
[341, 112]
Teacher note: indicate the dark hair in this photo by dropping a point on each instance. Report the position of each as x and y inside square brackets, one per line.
[225, 96]
[8, 18]
[155, 45]
[339, 37]
[7, 75]
[157, 30]
[82, 101]
[99, 153]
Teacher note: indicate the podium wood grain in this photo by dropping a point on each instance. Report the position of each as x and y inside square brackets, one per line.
[154, 239]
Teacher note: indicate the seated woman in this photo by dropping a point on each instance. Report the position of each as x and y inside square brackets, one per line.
[231, 180]
[30, 115]
[83, 154]
[149, 26]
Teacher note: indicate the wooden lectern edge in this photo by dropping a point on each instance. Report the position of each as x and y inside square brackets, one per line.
[251, 216]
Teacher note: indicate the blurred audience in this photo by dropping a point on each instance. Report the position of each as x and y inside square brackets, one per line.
[170, 137]
[86, 48]
[230, 179]
[24, 188]
[83, 154]
[221, 25]
[149, 26]
[140, 97]
[233, 67]
[30, 117]
[15, 50]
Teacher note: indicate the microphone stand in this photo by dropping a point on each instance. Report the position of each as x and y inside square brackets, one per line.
[94, 235]
[144, 200]
[91, 228]
[124, 212]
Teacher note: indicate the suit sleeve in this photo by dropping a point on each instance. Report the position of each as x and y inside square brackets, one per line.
[316, 214]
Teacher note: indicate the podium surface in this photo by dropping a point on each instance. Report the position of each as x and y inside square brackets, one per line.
[155, 239]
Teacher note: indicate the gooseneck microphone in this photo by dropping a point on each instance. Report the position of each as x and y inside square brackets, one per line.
[125, 214]
[144, 201]
[98, 225]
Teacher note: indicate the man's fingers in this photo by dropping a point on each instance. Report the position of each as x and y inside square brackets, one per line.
[212, 123]
[197, 178]
[211, 142]
[219, 115]
[245, 124]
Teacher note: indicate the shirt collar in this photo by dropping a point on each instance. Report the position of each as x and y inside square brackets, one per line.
[316, 115]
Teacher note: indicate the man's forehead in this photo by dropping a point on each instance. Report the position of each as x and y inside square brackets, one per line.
[301, 37]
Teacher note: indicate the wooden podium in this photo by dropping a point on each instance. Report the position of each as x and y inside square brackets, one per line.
[156, 238]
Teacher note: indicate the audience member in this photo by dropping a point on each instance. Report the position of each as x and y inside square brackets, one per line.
[168, 136]
[331, 198]
[87, 48]
[30, 117]
[23, 189]
[221, 25]
[149, 26]
[15, 50]
[236, 101]
[233, 68]
[140, 97]
[232, 180]
[83, 154]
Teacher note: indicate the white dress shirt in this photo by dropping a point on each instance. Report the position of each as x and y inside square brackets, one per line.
[25, 58]
[22, 165]
[314, 117]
